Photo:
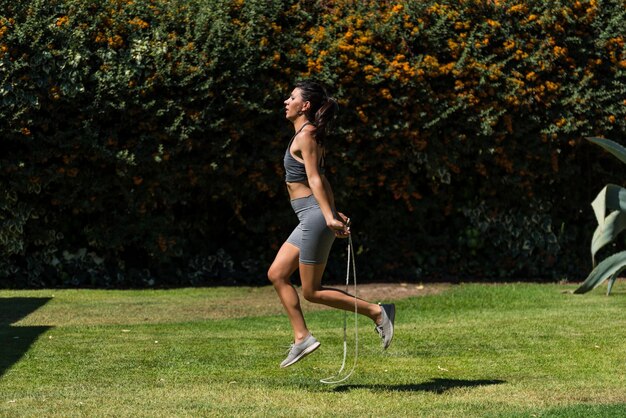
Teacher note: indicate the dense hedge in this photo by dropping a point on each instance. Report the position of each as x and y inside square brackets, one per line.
[142, 140]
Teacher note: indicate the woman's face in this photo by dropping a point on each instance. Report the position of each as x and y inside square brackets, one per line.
[295, 105]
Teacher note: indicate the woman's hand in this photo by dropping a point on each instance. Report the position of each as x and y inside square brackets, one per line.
[341, 227]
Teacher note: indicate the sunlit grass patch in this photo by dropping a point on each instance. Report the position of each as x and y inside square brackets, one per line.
[468, 350]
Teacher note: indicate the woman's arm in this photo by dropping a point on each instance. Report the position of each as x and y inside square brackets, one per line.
[331, 197]
[317, 182]
[329, 192]
[310, 154]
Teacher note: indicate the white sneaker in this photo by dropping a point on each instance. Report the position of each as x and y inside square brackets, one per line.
[300, 350]
[385, 329]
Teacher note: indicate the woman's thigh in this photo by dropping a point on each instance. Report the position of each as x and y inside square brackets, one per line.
[285, 263]
[317, 238]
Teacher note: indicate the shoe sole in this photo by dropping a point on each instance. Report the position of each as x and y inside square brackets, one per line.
[390, 310]
[303, 354]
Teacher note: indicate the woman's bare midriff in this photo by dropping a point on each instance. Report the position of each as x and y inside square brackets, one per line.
[297, 190]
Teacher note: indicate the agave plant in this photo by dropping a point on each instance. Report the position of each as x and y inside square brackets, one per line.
[610, 210]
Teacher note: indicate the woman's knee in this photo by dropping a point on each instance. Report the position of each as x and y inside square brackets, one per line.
[310, 294]
[277, 275]
[272, 274]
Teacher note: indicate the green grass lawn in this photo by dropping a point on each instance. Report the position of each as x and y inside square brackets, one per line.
[521, 350]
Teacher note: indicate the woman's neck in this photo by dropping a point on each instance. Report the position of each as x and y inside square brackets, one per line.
[299, 123]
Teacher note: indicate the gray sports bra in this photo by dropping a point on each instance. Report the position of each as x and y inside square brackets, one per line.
[294, 169]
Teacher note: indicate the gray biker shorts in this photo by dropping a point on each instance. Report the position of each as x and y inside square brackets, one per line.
[312, 236]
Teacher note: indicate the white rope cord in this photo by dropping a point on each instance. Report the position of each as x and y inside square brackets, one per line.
[336, 377]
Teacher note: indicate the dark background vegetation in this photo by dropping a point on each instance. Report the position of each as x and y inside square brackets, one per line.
[142, 139]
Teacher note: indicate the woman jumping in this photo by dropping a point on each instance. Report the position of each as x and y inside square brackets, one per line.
[310, 110]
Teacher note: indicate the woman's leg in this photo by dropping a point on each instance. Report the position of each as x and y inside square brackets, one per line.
[284, 265]
[312, 290]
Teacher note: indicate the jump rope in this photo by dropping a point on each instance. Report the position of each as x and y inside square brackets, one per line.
[336, 378]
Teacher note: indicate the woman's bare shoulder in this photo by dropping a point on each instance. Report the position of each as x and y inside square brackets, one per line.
[306, 137]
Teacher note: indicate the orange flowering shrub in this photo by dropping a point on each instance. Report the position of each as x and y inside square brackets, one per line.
[464, 119]
[143, 139]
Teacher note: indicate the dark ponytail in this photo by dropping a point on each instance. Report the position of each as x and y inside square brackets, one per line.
[322, 110]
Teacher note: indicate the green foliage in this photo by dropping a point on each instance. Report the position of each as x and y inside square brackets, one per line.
[122, 124]
[142, 139]
[609, 268]
[474, 112]
[611, 199]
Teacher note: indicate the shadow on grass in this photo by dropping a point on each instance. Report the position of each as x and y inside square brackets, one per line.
[435, 385]
[15, 341]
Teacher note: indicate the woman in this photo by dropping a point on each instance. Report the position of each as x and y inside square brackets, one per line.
[307, 248]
